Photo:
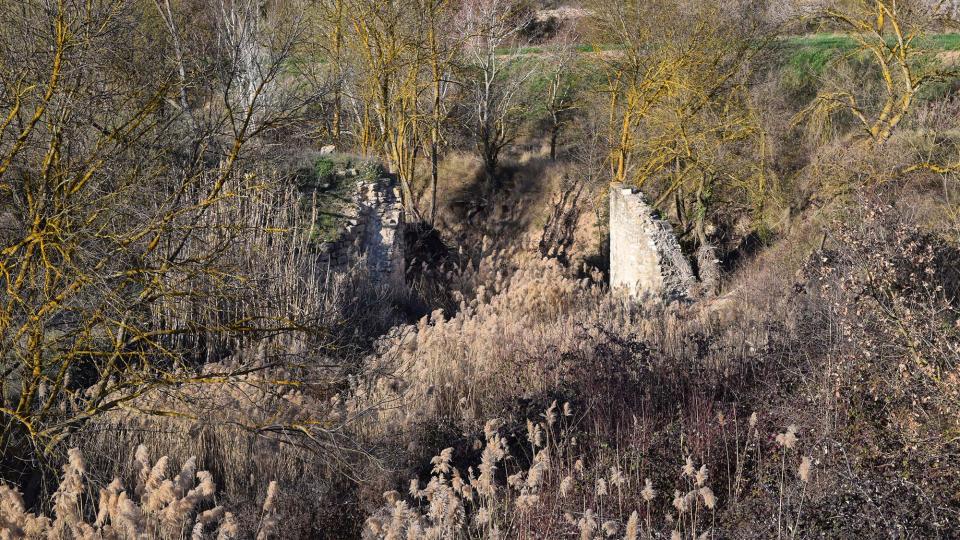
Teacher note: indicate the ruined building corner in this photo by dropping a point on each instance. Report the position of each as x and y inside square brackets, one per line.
[646, 261]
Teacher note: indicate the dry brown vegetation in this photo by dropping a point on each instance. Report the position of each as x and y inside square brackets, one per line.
[162, 292]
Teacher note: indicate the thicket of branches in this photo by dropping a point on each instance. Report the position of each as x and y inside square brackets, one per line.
[131, 204]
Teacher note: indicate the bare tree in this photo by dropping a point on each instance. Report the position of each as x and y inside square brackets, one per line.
[333, 26]
[496, 76]
[890, 34]
[561, 60]
[681, 122]
[442, 52]
[387, 39]
[114, 265]
[182, 102]
[257, 45]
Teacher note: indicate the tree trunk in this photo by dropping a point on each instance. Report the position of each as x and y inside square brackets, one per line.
[435, 178]
[708, 267]
[490, 175]
[554, 135]
[491, 158]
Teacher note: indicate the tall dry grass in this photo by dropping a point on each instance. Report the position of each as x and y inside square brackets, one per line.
[269, 401]
[555, 485]
[771, 411]
[160, 506]
[835, 338]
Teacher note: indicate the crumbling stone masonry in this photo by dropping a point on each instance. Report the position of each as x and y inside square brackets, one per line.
[373, 231]
[645, 258]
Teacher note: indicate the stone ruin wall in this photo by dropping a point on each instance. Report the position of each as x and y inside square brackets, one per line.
[646, 260]
[374, 231]
[645, 257]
